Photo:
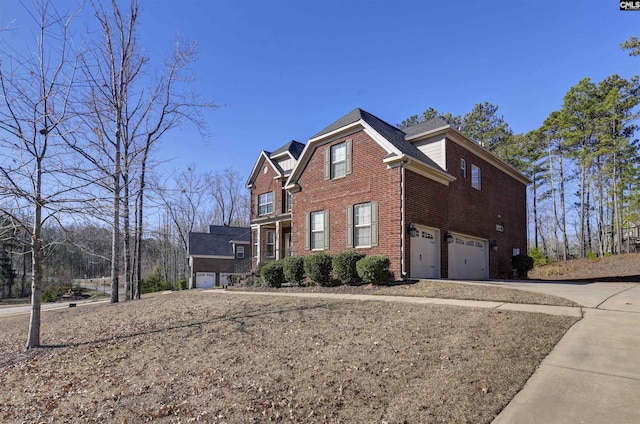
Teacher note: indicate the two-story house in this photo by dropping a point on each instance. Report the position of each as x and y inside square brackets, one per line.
[435, 202]
[271, 203]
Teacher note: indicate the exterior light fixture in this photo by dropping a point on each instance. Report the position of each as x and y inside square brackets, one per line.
[449, 237]
[412, 230]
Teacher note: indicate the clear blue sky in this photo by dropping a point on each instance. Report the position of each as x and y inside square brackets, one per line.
[286, 69]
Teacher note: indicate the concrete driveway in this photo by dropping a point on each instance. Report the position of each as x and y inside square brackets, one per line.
[593, 374]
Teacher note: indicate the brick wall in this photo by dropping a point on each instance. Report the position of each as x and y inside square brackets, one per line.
[370, 180]
[264, 183]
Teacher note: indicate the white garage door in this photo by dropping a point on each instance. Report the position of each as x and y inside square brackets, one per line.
[468, 258]
[425, 253]
[205, 280]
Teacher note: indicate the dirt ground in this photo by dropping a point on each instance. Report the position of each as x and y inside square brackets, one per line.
[196, 357]
[609, 268]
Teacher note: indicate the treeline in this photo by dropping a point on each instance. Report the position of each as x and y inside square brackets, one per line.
[583, 163]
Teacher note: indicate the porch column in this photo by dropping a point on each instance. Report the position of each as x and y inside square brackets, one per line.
[258, 244]
[277, 240]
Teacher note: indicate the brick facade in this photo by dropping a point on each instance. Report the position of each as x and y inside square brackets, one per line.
[369, 181]
[384, 161]
[462, 209]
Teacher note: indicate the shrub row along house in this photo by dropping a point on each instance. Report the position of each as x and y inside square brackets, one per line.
[435, 202]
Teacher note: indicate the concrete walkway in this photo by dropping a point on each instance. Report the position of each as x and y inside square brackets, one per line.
[592, 376]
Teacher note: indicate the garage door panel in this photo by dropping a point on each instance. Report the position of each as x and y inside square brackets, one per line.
[468, 258]
[425, 257]
[205, 280]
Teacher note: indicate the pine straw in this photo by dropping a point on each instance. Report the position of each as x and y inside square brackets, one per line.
[196, 357]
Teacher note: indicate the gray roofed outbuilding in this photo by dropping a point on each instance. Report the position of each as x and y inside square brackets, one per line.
[218, 241]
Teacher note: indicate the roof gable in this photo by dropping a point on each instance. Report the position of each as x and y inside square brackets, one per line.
[292, 149]
[392, 139]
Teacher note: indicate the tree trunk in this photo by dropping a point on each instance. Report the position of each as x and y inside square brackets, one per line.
[115, 239]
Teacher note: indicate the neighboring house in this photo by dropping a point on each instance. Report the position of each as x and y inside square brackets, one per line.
[271, 203]
[435, 202]
[215, 255]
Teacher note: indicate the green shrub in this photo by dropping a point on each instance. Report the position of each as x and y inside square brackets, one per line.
[181, 284]
[272, 274]
[344, 267]
[374, 269]
[539, 259]
[522, 264]
[592, 256]
[154, 282]
[317, 266]
[48, 296]
[293, 268]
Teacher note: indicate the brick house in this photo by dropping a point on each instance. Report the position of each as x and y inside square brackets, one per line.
[215, 255]
[435, 202]
[271, 203]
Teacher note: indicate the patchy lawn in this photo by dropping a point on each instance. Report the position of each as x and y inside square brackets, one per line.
[447, 290]
[199, 357]
[426, 288]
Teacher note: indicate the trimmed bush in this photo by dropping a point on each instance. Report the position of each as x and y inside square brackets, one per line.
[344, 267]
[317, 266]
[374, 269]
[272, 274]
[293, 268]
[522, 264]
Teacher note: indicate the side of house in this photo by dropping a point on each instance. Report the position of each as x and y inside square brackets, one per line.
[432, 200]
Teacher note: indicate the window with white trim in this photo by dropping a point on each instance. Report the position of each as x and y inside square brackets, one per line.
[463, 168]
[289, 200]
[362, 225]
[271, 244]
[265, 203]
[317, 230]
[475, 177]
[339, 160]
[240, 252]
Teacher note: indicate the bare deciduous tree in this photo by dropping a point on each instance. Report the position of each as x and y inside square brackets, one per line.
[37, 176]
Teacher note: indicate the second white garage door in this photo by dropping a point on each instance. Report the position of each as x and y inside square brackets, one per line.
[468, 258]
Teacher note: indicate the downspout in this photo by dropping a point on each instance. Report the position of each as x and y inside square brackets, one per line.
[402, 223]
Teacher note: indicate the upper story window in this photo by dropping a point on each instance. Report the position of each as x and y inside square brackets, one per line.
[337, 160]
[289, 200]
[240, 252]
[265, 203]
[475, 177]
[463, 168]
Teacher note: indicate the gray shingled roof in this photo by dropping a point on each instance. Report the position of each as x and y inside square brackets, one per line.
[217, 242]
[293, 147]
[424, 126]
[394, 135]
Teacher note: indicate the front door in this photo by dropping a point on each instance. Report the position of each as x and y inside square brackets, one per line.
[425, 246]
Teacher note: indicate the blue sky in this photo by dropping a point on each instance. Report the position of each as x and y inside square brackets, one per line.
[286, 69]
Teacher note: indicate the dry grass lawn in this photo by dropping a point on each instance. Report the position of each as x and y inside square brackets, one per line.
[201, 357]
[446, 290]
